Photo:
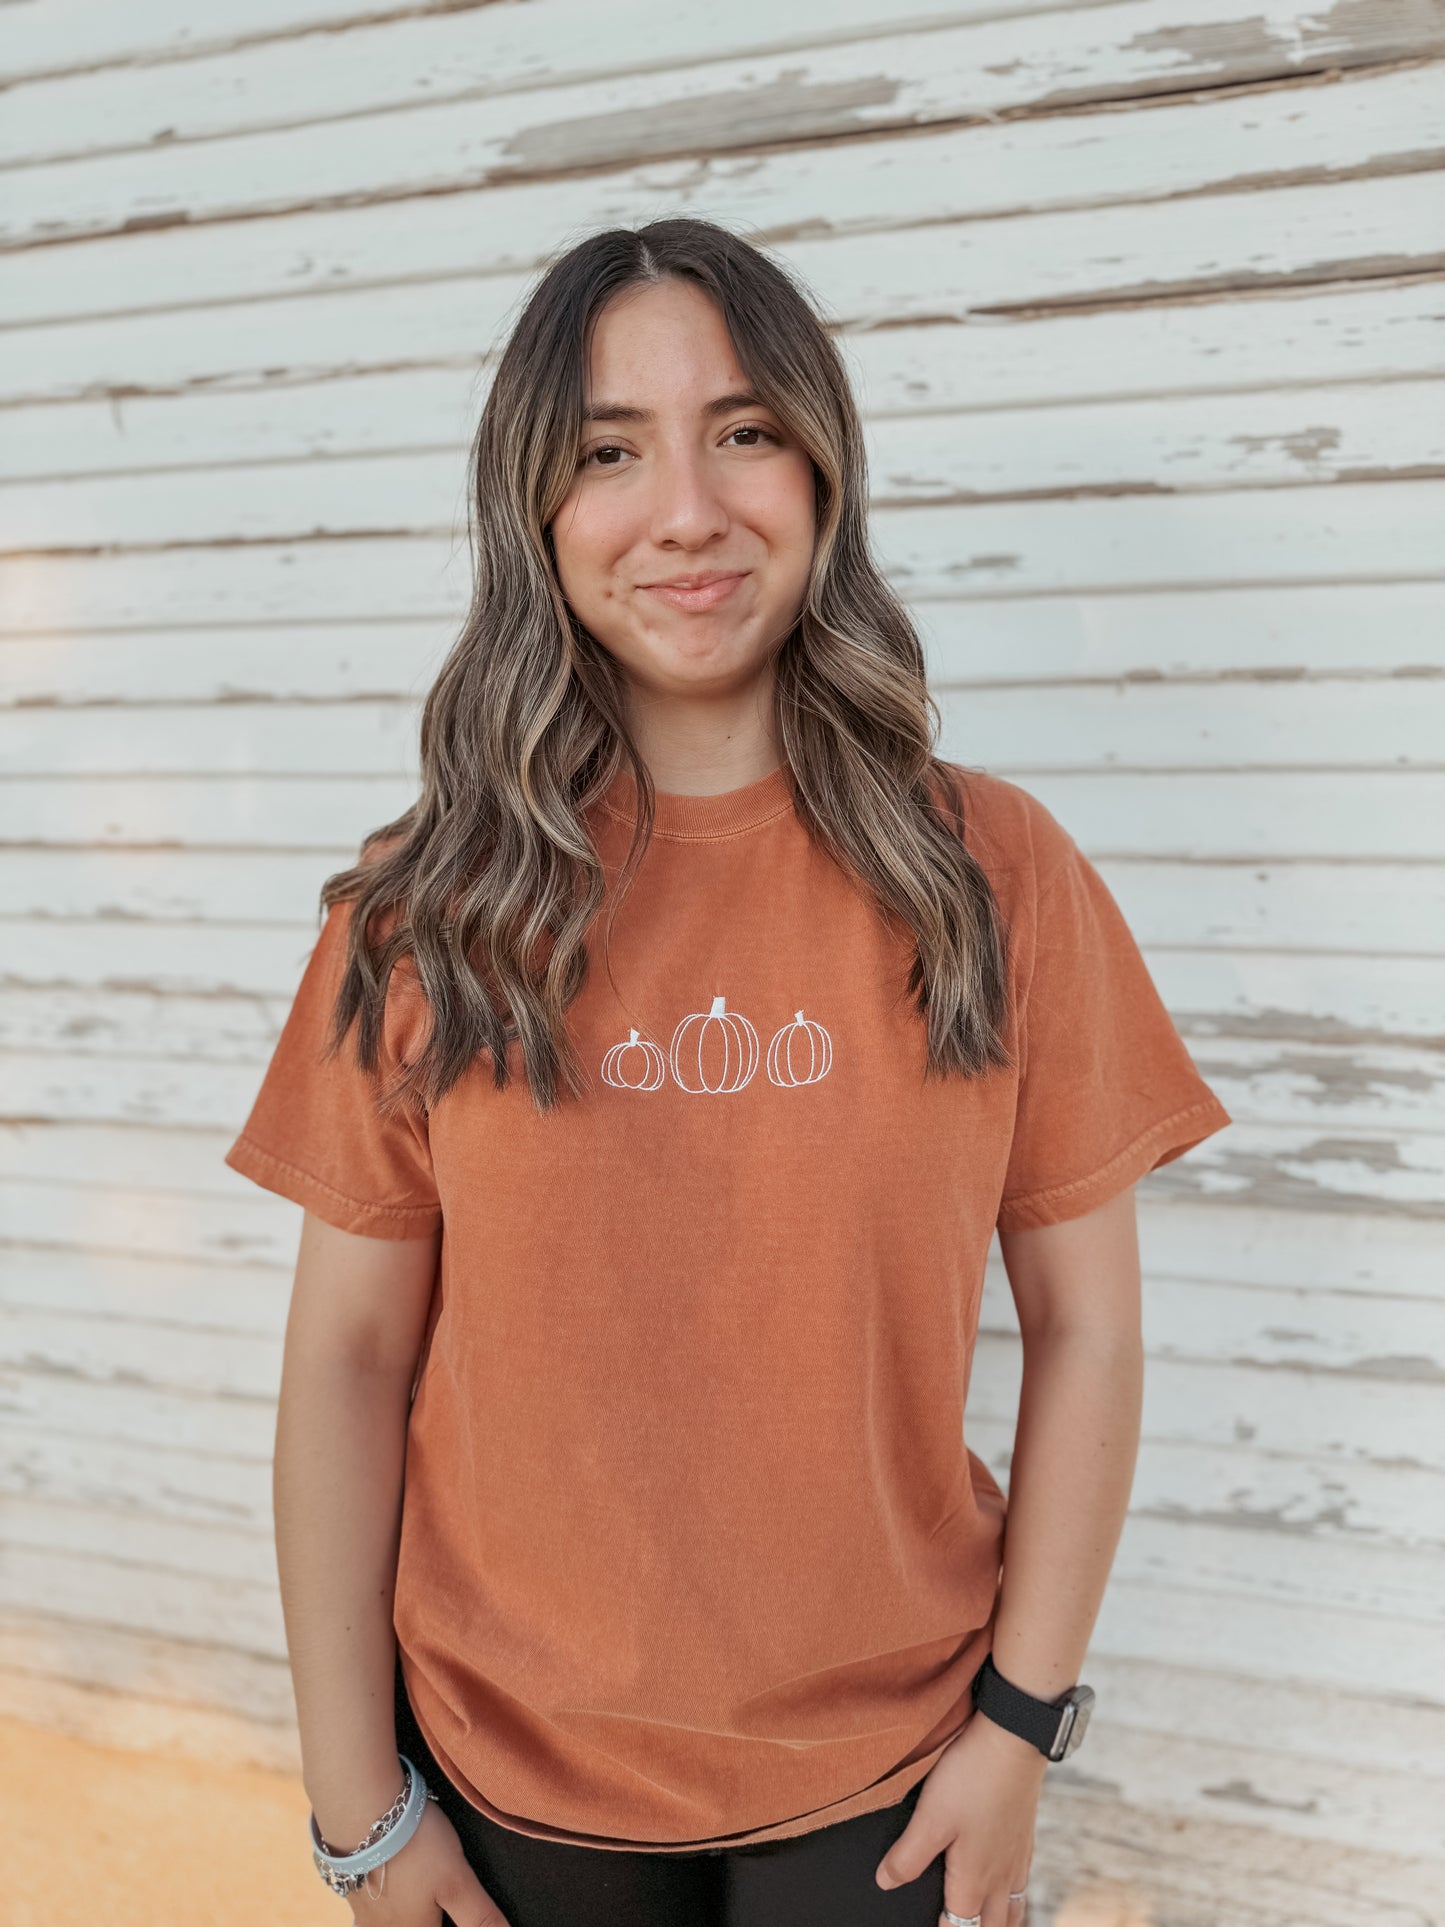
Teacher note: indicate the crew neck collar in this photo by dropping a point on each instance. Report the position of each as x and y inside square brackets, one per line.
[721, 814]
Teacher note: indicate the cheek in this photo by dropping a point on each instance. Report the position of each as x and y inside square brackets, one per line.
[785, 510]
[587, 548]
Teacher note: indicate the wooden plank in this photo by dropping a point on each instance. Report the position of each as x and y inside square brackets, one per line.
[135, 1597]
[504, 45]
[1365, 124]
[1369, 724]
[1383, 1504]
[1101, 1859]
[1305, 1327]
[162, 1672]
[145, 1416]
[183, 1487]
[1395, 909]
[1163, 1622]
[1197, 1243]
[1243, 816]
[1293, 997]
[219, 1364]
[1341, 1728]
[1364, 333]
[252, 1300]
[897, 276]
[1333, 1416]
[116, 1024]
[222, 1224]
[1356, 1505]
[1341, 434]
[1392, 1586]
[179, 1079]
[1239, 633]
[707, 106]
[1267, 1640]
[1171, 1772]
[332, 816]
[1347, 532]
[90, 1436]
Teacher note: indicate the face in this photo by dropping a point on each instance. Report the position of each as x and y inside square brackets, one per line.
[685, 541]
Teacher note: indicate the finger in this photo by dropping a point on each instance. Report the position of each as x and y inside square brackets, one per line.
[466, 1902]
[915, 1848]
[963, 1899]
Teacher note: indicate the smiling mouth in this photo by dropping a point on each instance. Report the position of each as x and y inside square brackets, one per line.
[695, 595]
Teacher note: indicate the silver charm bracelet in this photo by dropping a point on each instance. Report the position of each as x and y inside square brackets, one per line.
[345, 1872]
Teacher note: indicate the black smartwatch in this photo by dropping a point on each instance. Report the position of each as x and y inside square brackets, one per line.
[1056, 1726]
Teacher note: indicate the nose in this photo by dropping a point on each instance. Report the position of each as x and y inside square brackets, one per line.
[686, 509]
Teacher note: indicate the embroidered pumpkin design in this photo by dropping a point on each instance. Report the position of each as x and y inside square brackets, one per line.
[714, 1051]
[800, 1052]
[633, 1065]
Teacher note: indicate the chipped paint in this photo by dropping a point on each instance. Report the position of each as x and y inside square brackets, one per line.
[1255, 1518]
[1352, 33]
[790, 109]
[1304, 445]
[1246, 1793]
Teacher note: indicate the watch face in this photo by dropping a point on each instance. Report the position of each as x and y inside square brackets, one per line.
[1083, 1697]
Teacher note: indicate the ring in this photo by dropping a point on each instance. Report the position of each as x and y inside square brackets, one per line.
[963, 1920]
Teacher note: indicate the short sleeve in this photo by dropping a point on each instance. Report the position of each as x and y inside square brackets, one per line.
[1107, 1088]
[315, 1134]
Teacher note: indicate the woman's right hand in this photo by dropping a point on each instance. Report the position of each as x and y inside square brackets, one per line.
[431, 1876]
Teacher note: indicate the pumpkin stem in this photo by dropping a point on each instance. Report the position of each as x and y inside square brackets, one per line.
[632, 1037]
[798, 1016]
[717, 1006]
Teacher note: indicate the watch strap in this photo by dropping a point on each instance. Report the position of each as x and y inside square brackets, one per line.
[1023, 1713]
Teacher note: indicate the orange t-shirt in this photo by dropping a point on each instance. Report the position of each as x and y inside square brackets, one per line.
[693, 1551]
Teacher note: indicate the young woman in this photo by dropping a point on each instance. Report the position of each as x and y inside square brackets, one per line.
[708, 1027]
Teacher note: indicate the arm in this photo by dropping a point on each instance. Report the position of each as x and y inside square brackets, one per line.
[358, 1312]
[1077, 1288]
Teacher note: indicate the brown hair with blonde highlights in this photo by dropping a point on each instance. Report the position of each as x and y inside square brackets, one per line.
[489, 882]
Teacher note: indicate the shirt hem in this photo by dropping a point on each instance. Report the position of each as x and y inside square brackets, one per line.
[1158, 1144]
[273, 1173]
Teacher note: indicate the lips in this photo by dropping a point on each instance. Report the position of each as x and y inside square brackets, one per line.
[704, 590]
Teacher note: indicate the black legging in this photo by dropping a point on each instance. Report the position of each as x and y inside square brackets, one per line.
[818, 1879]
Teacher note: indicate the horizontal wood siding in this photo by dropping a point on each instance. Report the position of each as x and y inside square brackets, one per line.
[1145, 305]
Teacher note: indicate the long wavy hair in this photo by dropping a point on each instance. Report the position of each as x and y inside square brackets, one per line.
[490, 881]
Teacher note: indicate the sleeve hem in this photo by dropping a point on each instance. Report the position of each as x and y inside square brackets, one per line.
[273, 1173]
[1161, 1142]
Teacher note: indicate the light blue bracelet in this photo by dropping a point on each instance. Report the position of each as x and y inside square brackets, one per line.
[344, 1873]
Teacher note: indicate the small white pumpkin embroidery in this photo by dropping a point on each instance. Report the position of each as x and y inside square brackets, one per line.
[800, 1052]
[690, 1053]
[634, 1065]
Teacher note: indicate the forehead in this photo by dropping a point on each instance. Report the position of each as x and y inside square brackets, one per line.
[660, 339]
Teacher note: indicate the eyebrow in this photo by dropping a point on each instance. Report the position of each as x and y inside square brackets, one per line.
[621, 411]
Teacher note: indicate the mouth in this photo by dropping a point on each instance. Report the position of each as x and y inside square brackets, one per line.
[696, 592]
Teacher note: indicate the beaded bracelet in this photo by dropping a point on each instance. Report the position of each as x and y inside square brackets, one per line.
[345, 1872]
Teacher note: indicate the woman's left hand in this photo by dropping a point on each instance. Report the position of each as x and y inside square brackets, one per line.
[978, 1807]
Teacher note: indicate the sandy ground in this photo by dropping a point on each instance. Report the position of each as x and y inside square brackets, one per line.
[128, 1840]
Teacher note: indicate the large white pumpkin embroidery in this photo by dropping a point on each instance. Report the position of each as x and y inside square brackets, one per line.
[696, 1044]
[633, 1065]
[800, 1052]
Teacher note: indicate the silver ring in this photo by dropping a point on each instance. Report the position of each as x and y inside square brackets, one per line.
[1022, 1894]
[963, 1920]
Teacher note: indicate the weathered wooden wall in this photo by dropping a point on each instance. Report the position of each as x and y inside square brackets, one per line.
[1145, 305]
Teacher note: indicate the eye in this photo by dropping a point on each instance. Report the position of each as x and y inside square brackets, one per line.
[603, 448]
[753, 428]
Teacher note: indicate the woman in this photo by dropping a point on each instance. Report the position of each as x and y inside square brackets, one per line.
[708, 1027]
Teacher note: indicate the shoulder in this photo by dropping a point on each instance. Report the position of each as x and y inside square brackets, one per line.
[1018, 839]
